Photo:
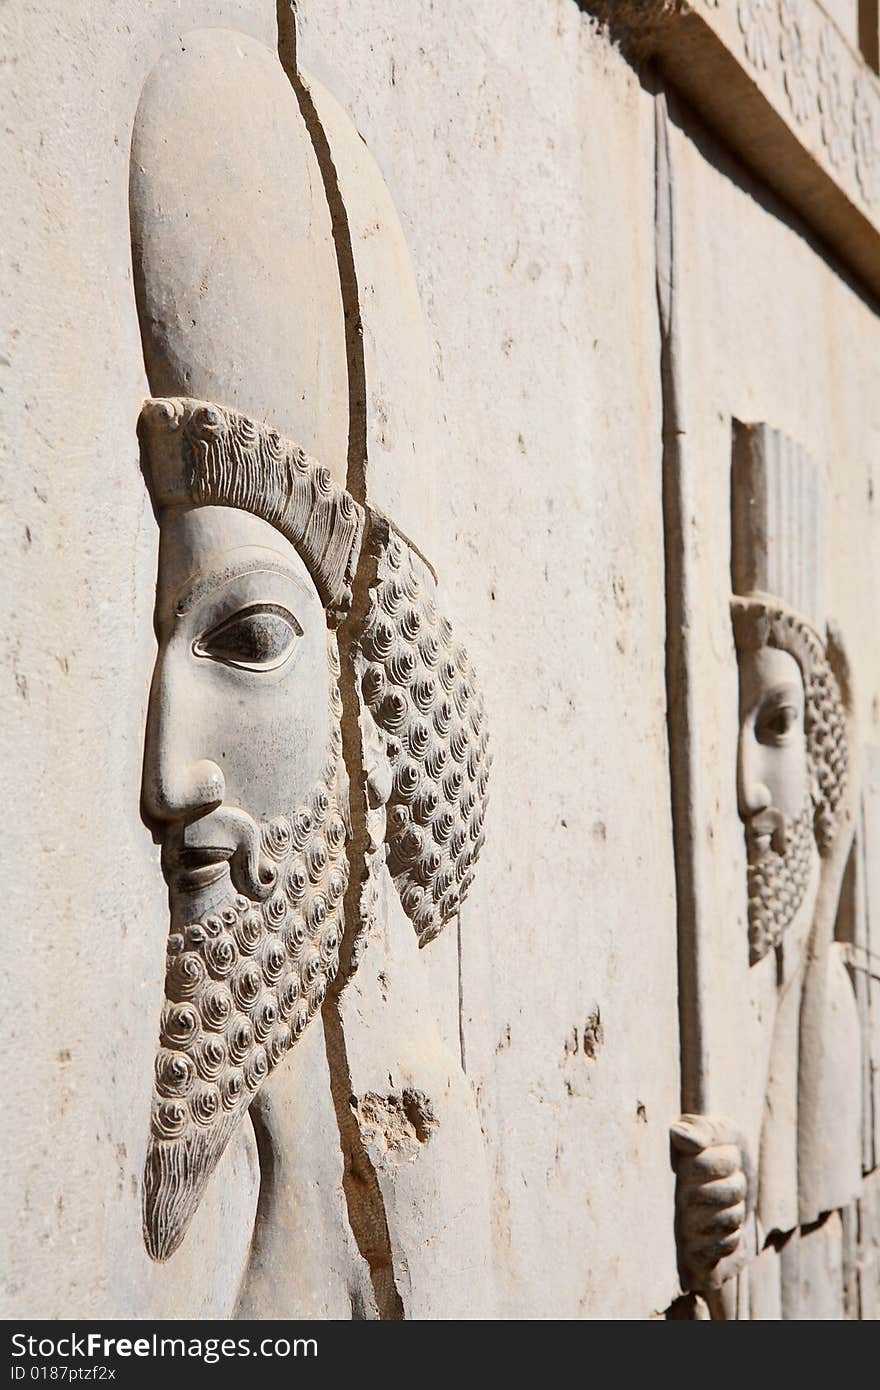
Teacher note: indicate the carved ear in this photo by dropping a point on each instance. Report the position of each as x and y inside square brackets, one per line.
[421, 691]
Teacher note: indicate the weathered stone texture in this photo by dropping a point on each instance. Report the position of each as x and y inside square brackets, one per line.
[446, 327]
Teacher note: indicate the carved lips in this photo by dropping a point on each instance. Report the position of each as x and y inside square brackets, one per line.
[765, 831]
[202, 853]
[779, 863]
[187, 870]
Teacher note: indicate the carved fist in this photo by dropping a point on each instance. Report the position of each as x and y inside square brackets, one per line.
[712, 1198]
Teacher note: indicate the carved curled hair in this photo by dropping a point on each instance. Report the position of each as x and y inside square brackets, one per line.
[759, 622]
[420, 688]
[201, 453]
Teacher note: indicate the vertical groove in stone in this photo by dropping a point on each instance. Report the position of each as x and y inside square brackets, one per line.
[363, 1195]
[461, 1039]
[680, 704]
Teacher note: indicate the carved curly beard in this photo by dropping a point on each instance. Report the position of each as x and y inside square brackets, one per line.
[777, 884]
[241, 986]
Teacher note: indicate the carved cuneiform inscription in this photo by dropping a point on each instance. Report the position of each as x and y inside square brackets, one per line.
[866, 137]
[832, 97]
[797, 73]
[787, 90]
[241, 986]
[420, 688]
[754, 22]
[823, 79]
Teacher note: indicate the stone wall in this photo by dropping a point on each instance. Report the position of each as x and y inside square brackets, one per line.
[481, 1127]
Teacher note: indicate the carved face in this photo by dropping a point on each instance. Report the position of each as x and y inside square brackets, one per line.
[773, 780]
[239, 718]
[772, 773]
[244, 781]
[245, 788]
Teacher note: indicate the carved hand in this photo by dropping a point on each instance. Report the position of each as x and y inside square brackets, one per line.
[712, 1198]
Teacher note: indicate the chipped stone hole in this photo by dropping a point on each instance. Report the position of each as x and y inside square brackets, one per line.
[394, 1127]
[594, 1033]
[590, 1039]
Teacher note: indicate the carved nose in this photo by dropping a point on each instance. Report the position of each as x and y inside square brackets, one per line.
[176, 785]
[179, 792]
[753, 794]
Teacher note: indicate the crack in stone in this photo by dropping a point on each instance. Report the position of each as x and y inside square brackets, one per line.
[364, 1201]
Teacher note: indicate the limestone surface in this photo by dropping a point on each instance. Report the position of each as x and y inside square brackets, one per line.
[441, 678]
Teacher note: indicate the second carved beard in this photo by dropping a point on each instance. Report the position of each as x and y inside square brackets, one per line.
[241, 986]
[777, 884]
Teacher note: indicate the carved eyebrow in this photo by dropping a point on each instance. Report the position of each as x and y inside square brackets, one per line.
[223, 575]
[784, 692]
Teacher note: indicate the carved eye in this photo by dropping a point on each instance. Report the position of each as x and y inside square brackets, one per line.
[778, 723]
[260, 638]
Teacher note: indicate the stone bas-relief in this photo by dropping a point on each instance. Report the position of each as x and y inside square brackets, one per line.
[256, 896]
[280, 599]
[792, 763]
[794, 791]
[420, 693]
[258, 549]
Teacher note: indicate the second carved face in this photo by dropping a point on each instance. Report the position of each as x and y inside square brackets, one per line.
[774, 792]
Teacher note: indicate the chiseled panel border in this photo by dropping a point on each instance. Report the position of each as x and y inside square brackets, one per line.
[787, 91]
